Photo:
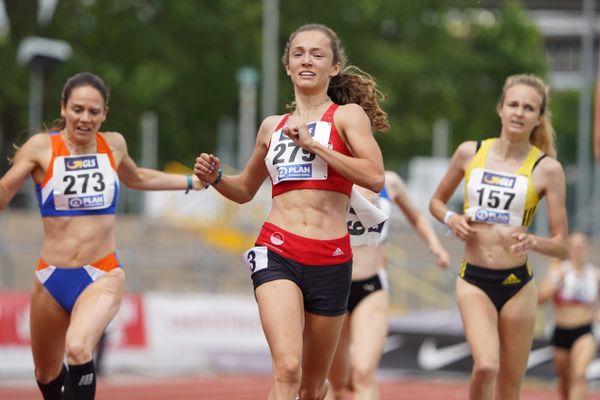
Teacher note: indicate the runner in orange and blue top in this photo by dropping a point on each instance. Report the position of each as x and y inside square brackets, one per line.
[80, 281]
[77, 185]
[301, 264]
[505, 178]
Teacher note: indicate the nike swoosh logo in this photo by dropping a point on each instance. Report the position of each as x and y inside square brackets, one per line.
[432, 358]
[540, 356]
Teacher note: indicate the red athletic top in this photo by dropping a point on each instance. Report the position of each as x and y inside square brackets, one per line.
[335, 181]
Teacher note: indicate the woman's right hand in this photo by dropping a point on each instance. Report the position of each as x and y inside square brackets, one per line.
[460, 226]
[206, 167]
[300, 135]
[442, 258]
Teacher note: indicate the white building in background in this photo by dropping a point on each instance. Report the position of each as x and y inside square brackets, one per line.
[562, 24]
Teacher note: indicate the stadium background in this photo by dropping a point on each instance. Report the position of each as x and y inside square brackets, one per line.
[190, 309]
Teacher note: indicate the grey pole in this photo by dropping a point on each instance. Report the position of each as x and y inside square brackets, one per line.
[149, 155]
[226, 141]
[40, 54]
[584, 181]
[270, 57]
[246, 77]
[36, 92]
[441, 137]
[149, 137]
[46, 10]
[596, 193]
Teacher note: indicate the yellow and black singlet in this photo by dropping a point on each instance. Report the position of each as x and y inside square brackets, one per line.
[498, 197]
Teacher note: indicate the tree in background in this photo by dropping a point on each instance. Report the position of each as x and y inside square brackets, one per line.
[432, 58]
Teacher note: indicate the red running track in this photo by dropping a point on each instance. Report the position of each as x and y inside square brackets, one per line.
[248, 387]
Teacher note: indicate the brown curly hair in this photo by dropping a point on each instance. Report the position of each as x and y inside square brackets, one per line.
[351, 85]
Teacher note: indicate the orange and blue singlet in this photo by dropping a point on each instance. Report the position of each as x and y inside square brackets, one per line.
[83, 184]
[77, 185]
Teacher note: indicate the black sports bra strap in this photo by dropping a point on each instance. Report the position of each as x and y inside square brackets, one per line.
[538, 161]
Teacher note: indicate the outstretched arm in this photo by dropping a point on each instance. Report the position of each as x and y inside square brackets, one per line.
[399, 194]
[139, 178]
[240, 188]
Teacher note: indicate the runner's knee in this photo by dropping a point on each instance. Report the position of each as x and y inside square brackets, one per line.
[47, 375]
[486, 370]
[338, 385]
[363, 374]
[287, 369]
[77, 351]
[578, 378]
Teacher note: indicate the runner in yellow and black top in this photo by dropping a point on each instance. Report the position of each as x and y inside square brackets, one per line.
[501, 197]
[505, 178]
[495, 197]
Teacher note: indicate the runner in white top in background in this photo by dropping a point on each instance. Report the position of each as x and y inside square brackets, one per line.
[366, 325]
[573, 285]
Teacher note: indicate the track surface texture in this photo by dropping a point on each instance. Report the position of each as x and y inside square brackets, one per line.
[256, 387]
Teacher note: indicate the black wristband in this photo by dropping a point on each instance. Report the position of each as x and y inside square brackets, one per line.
[219, 176]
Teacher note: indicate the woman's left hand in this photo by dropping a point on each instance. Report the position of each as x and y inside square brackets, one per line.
[525, 242]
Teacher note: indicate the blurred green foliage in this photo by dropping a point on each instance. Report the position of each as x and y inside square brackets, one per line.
[180, 58]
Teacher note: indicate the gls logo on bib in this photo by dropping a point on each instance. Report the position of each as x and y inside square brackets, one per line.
[80, 163]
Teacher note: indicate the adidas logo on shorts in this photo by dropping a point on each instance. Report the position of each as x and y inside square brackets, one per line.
[511, 280]
[338, 252]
